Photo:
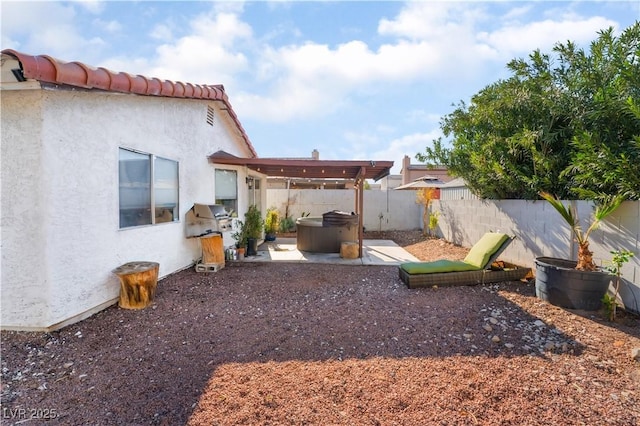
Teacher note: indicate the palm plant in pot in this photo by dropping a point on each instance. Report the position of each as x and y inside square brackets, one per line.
[575, 284]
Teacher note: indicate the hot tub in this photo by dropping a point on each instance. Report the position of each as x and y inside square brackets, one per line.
[325, 234]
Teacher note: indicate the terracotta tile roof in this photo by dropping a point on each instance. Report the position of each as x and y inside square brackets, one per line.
[50, 70]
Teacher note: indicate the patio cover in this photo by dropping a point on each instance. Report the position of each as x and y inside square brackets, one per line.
[356, 170]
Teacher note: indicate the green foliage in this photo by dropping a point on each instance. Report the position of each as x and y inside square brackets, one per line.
[253, 222]
[433, 221]
[287, 224]
[568, 124]
[240, 235]
[619, 258]
[272, 221]
[609, 303]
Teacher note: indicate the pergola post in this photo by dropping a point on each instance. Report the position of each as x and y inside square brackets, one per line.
[360, 207]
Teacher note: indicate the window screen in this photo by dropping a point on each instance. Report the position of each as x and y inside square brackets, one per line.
[147, 184]
[227, 189]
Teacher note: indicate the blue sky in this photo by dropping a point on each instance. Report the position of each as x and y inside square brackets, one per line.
[355, 80]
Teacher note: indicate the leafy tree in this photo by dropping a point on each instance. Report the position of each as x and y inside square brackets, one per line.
[567, 124]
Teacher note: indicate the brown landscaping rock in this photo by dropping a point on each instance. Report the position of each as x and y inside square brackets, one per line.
[318, 344]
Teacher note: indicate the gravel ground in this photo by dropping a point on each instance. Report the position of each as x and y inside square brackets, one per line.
[312, 344]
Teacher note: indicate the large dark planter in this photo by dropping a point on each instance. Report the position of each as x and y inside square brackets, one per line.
[252, 246]
[559, 283]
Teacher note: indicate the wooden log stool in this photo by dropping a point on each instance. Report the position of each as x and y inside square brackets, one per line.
[138, 281]
[349, 250]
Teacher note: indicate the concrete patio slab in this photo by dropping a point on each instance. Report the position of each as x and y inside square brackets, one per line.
[374, 252]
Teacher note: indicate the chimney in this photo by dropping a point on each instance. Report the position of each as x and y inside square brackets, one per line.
[315, 154]
[406, 162]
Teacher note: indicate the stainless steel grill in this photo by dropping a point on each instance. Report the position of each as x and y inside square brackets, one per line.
[204, 219]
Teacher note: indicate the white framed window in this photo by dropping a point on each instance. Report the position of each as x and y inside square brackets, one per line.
[227, 189]
[148, 189]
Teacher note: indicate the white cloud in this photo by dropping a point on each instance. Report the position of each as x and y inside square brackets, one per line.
[92, 6]
[312, 78]
[205, 56]
[521, 38]
[46, 28]
[235, 7]
[433, 21]
[162, 32]
[108, 26]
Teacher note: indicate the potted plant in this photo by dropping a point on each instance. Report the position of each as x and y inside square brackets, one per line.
[574, 284]
[240, 236]
[253, 225]
[271, 224]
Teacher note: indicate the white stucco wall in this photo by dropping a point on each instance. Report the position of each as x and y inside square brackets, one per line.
[24, 288]
[60, 217]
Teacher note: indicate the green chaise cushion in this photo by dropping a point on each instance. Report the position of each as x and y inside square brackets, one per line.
[443, 265]
[482, 250]
[476, 259]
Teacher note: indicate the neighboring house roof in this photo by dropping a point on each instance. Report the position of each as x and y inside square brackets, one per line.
[456, 183]
[435, 172]
[428, 178]
[46, 69]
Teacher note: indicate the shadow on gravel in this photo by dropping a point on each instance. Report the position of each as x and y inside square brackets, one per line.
[625, 322]
[151, 366]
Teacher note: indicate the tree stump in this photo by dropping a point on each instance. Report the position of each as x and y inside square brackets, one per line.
[212, 250]
[138, 281]
[349, 250]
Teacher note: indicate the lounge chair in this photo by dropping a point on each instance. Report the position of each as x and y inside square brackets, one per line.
[476, 268]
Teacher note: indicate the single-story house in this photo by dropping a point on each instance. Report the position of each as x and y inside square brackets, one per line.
[99, 168]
